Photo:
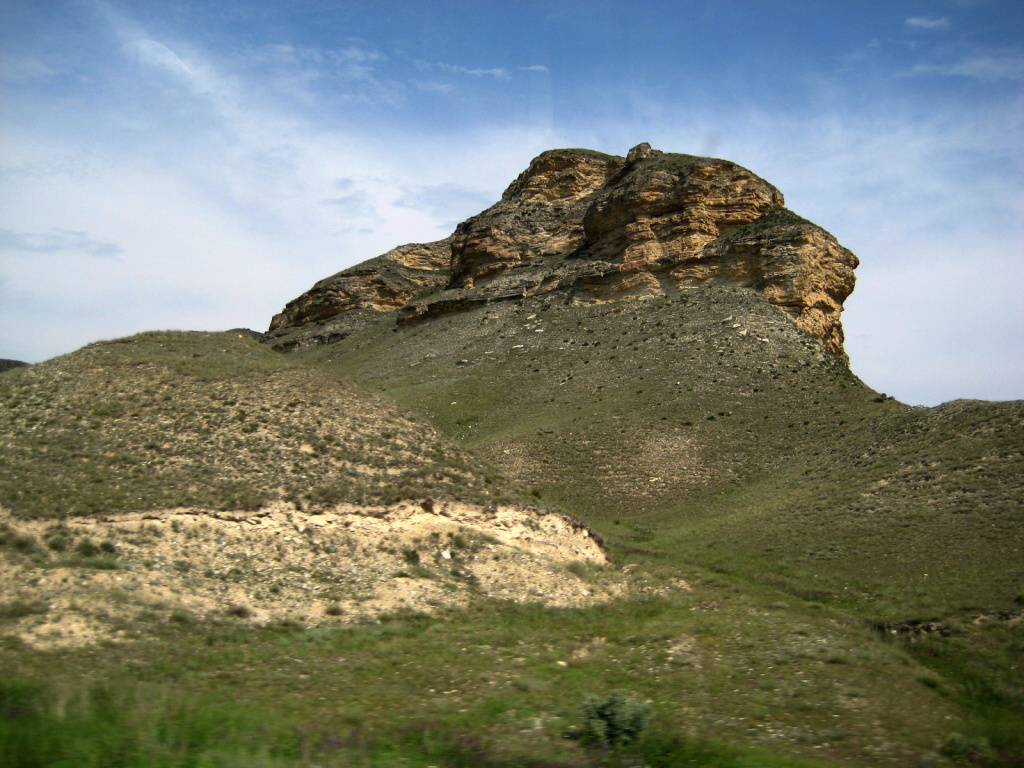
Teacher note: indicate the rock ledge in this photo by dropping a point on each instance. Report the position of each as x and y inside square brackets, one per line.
[589, 227]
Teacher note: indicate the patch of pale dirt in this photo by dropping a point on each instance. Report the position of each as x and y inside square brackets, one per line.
[342, 564]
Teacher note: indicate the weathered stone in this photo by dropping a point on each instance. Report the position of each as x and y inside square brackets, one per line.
[338, 304]
[593, 228]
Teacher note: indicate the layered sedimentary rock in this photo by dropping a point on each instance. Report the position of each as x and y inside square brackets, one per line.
[336, 305]
[591, 227]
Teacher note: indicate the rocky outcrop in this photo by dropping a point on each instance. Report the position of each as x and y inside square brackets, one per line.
[540, 216]
[336, 305]
[591, 227]
[796, 265]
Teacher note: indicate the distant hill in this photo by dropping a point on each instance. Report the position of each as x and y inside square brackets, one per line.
[6, 365]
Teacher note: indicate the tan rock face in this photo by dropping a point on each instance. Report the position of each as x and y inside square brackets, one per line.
[539, 216]
[383, 284]
[672, 209]
[598, 228]
[797, 266]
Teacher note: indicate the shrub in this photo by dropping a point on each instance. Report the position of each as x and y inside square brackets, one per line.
[579, 568]
[86, 548]
[615, 721]
[966, 750]
[181, 615]
[23, 543]
[20, 608]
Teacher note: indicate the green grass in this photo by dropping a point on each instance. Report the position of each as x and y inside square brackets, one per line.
[141, 726]
[685, 444]
[777, 519]
[662, 427]
[718, 664]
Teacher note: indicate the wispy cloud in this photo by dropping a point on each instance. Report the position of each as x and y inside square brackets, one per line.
[57, 241]
[23, 69]
[157, 55]
[449, 203]
[534, 68]
[926, 24]
[498, 73]
[431, 86]
[353, 62]
[985, 67]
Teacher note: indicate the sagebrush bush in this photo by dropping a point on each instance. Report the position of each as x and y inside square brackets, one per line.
[965, 750]
[614, 721]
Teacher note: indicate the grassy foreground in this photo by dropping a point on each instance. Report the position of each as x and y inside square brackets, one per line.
[140, 728]
[498, 684]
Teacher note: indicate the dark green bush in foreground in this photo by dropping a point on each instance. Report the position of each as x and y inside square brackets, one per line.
[615, 721]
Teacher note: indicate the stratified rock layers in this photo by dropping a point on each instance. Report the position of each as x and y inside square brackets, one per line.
[591, 227]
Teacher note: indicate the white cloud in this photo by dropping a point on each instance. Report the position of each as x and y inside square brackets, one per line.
[923, 23]
[448, 203]
[534, 68]
[23, 69]
[498, 73]
[352, 62]
[985, 67]
[433, 87]
[55, 241]
[154, 54]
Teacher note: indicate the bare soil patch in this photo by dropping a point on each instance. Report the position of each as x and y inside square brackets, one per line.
[87, 579]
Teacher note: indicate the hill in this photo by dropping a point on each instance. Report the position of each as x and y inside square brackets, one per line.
[653, 342]
[229, 481]
[604, 437]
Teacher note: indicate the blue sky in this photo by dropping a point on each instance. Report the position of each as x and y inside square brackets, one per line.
[196, 164]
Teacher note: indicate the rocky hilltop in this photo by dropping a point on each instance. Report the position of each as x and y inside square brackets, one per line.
[591, 228]
[601, 438]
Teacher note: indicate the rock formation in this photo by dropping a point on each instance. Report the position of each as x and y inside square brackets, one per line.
[336, 305]
[590, 227]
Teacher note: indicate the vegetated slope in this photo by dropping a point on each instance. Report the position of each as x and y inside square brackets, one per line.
[918, 515]
[654, 343]
[709, 429]
[6, 365]
[210, 420]
[205, 474]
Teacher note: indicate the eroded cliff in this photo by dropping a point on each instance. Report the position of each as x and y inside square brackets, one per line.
[590, 227]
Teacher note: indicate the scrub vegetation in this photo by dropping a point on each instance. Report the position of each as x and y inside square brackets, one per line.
[800, 570]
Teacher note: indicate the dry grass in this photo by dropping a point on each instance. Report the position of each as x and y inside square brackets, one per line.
[213, 421]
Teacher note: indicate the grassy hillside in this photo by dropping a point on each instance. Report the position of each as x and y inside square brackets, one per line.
[503, 682]
[708, 430]
[211, 420]
[770, 519]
